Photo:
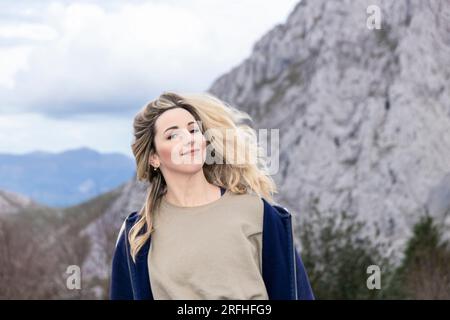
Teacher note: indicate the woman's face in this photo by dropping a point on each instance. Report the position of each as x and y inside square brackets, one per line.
[177, 133]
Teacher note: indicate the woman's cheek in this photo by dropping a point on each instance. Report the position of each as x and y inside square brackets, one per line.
[166, 153]
[203, 143]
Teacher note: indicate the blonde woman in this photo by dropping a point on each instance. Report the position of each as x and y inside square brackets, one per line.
[208, 228]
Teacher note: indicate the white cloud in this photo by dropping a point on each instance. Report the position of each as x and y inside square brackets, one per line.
[60, 59]
[27, 31]
[89, 58]
[12, 60]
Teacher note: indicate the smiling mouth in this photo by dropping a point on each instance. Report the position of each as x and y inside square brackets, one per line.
[190, 152]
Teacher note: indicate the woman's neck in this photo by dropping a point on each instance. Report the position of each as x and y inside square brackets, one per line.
[191, 190]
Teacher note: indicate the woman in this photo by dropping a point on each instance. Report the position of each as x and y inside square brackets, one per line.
[207, 229]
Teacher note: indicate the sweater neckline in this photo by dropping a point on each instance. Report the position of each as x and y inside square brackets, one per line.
[224, 194]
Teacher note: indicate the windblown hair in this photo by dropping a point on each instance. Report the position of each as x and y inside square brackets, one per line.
[224, 129]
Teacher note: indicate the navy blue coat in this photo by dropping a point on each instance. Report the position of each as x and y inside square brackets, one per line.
[283, 272]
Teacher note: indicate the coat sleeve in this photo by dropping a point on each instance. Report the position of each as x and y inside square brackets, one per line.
[304, 291]
[120, 287]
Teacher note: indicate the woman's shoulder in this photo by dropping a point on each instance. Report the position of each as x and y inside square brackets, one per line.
[247, 200]
[258, 201]
[129, 221]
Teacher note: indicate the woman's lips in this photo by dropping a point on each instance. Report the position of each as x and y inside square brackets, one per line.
[192, 151]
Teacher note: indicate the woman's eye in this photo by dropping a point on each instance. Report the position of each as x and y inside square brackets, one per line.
[171, 136]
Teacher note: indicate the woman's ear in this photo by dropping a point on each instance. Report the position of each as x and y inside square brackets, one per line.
[154, 160]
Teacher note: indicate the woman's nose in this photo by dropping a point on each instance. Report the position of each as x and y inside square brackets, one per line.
[187, 137]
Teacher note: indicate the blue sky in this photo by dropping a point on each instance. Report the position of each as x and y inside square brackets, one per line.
[73, 73]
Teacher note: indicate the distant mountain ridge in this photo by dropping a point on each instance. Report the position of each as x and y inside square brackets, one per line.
[66, 178]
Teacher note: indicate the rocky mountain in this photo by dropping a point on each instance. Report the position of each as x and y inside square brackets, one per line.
[51, 239]
[103, 231]
[363, 114]
[66, 178]
[12, 203]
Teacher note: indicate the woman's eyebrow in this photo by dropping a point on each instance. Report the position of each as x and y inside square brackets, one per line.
[176, 127]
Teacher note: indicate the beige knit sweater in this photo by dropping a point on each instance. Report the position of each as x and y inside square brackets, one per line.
[211, 251]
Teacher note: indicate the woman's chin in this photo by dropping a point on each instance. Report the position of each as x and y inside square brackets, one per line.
[190, 167]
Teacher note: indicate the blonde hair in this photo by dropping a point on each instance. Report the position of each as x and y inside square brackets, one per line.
[217, 120]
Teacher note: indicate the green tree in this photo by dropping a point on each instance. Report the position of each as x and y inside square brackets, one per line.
[425, 269]
[336, 255]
